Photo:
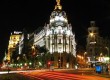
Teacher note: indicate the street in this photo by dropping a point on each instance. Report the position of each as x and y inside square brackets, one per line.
[57, 74]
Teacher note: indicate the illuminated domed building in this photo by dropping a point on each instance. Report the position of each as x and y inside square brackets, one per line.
[58, 39]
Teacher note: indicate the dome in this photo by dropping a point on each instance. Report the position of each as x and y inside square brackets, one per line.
[58, 17]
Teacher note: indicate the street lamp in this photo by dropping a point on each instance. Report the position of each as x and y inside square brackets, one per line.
[60, 60]
[33, 49]
[108, 53]
[33, 55]
[85, 56]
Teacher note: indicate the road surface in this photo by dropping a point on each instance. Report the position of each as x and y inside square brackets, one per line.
[56, 75]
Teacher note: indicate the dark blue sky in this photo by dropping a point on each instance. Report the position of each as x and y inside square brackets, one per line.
[16, 15]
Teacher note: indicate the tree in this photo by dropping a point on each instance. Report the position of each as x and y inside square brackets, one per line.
[43, 52]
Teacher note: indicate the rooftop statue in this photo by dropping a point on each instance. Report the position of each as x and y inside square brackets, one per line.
[58, 6]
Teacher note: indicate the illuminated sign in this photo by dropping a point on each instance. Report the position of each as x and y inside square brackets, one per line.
[17, 32]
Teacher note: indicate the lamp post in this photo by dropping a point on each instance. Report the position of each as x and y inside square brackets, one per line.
[33, 48]
[60, 61]
[108, 53]
[85, 56]
[33, 54]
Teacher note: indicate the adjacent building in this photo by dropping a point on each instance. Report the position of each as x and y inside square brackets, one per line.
[97, 47]
[14, 40]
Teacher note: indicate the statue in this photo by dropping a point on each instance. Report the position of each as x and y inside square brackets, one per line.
[58, 6]
[58, 2]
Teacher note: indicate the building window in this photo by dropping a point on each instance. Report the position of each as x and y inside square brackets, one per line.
[59, 41]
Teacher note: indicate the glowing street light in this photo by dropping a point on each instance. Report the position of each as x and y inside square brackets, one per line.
[85, 56]
[108, 53]
[33, 55]
[33, 49]
[107, 50]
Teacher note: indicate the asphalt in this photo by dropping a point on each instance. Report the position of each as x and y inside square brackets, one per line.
[85, 71]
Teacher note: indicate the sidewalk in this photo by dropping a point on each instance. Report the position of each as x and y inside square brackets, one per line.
[106, 75]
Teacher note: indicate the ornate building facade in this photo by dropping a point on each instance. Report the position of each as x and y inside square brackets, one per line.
[58, 38]
[97, 47]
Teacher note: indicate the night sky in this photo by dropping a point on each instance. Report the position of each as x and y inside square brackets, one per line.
[19, 14]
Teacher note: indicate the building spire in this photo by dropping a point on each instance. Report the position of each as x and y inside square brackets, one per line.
[58, 6]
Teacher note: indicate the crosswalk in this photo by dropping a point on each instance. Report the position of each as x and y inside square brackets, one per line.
[52, 75]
